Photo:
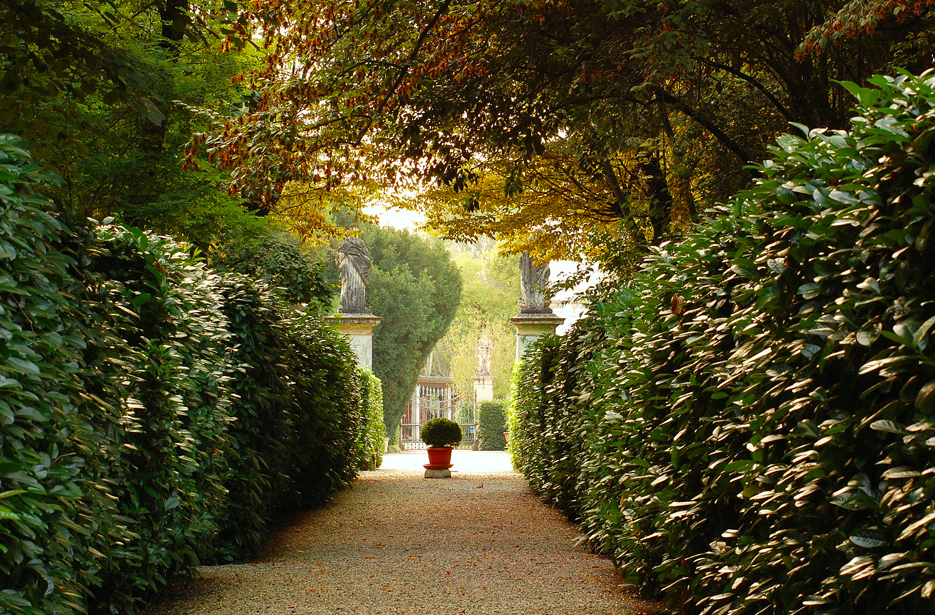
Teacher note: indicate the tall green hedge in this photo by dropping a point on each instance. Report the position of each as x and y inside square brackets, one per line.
[327, 417]
[48, 438]
[257, 437]
[491, 423]
[371, 442]
[748, 428]
[152, 414]
[171, 384]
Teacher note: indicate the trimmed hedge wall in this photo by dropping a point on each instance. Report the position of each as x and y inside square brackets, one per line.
[50, 441]
[491, 423]
[153, 415]
[371, 444]
[748, 428]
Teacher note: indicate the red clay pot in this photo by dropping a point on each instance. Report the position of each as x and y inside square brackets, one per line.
[439, 458]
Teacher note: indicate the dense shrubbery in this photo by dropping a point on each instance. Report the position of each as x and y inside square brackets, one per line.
[257, 438]
[49, 441]
[327, 417]
[167, 373]
[152, 414]
[371, 444]
[491, 423]
[749, 427]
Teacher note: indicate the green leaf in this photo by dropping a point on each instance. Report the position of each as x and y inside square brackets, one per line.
[888, 426]
[23, 367]
[869, 539]
[925, 400]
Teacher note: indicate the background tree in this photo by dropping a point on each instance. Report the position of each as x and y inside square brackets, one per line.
[489, 299]
[105, 92]
[279, 259]
[416, 289]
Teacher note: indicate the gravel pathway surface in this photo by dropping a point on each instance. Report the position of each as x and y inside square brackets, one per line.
[476, 543]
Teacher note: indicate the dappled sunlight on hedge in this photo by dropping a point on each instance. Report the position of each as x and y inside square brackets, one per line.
[748, 427]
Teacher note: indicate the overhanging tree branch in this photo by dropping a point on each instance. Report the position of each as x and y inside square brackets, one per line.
[677, 104]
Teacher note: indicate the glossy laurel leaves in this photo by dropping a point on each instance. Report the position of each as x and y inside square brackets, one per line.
[748, 427]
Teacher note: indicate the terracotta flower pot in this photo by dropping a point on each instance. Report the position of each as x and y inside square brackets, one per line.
[439, 458]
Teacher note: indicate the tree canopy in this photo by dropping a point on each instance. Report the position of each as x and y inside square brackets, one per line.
[540, 121]
[109, 93]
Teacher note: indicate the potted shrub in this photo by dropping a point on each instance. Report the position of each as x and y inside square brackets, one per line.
[440, 435]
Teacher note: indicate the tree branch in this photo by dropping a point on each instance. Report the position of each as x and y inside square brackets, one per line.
[756, 84]
[677, 104]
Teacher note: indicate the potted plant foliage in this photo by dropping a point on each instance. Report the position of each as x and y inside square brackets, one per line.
[440, 434]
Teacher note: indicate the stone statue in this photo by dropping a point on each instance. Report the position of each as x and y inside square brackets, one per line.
[533, 281]
[484, 352]
[354, 267]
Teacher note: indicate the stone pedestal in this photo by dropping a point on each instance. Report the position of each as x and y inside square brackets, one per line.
[437, 473]
[530, 327]
[483, 388]
[359, 330]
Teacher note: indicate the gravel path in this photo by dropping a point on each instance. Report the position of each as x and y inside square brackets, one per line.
[477, 543]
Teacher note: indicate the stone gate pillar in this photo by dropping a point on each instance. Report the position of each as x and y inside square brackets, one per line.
[530, 327]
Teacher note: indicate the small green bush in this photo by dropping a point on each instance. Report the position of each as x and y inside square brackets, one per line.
[371, 442]
[491, 423]
[748, 427]
[440, 432]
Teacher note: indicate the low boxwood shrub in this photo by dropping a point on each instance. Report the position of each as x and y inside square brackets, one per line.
[371, 443]
[749, 427]
[440, 432]
[491, 423]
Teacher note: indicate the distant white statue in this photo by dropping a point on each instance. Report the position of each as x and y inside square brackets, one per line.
[533, 282]
[484, 352]
[354, 267]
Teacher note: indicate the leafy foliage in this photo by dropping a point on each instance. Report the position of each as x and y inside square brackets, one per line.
[257, 437]
[48, 435]
[152, 415]
[371, 444]
[278, 259]
[171, 440]
[488, 300]
[440, 432]
[548, 116]
[416, 289]
[105, 93]
[327, 418]
[491, 423]
[747, 428]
